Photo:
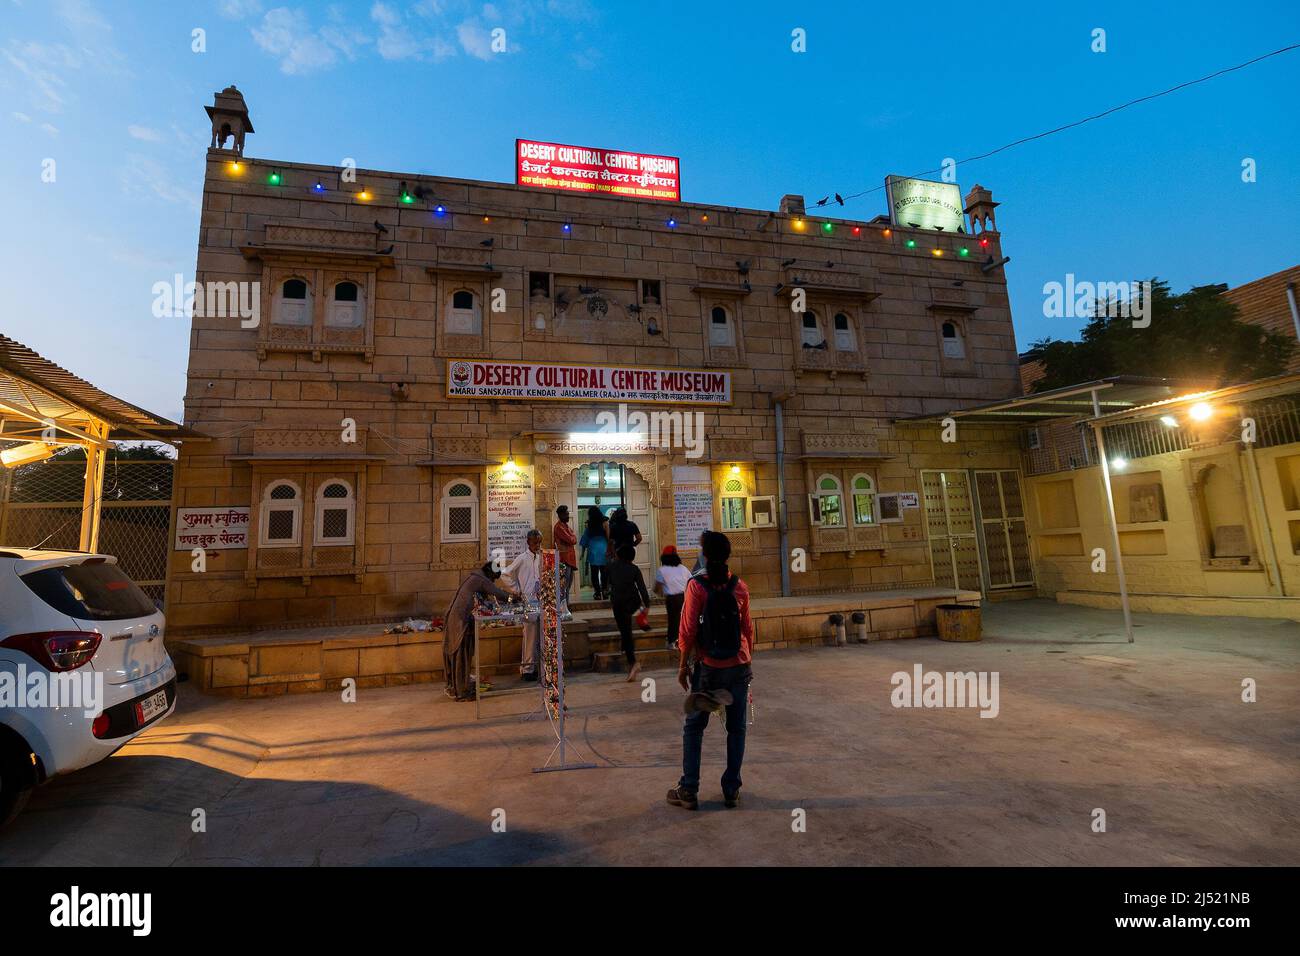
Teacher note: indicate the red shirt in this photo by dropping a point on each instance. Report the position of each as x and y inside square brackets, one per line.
[694, 607]
[565, 539]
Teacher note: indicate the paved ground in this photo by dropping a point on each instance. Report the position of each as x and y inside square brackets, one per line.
[1154, 733]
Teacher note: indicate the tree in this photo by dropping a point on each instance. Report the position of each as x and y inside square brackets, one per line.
[117, 452]
[1194, 336]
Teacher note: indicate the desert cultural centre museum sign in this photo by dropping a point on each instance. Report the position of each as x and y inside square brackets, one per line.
[923, 204]
[487, 378]
[600, 172]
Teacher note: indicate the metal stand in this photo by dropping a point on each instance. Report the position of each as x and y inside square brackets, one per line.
[561, 744]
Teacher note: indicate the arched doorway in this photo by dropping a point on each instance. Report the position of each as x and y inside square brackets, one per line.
[609, 485]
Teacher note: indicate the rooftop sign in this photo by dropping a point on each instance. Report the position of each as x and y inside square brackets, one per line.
[597, 172]
[923, 204]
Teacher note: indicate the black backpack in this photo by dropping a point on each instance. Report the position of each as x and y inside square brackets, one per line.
[719, 631]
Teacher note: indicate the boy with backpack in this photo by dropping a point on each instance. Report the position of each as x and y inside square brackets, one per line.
[717, 632]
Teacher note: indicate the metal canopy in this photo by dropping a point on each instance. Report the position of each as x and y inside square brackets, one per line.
[43, 406]
[1258, 390]
[34, 391]
[1118, 393]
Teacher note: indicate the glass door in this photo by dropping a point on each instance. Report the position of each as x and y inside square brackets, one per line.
[950, 528]
[1003, 529]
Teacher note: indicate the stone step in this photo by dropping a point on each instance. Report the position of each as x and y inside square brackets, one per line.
[656, 603]
[611, 641]
[612, 662]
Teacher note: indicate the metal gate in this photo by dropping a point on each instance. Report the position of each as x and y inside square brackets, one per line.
[1003, 529]
[950, 528]
[40, 506]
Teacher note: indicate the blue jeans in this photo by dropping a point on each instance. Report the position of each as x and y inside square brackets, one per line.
[736, 680]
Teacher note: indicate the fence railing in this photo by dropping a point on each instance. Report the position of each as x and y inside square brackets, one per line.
[40, 506]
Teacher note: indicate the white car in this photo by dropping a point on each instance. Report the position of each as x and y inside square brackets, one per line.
[72, 623]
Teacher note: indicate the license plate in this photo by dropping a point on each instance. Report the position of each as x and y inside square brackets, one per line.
[149, 708]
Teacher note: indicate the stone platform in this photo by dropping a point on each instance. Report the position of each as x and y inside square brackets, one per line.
[304, 660]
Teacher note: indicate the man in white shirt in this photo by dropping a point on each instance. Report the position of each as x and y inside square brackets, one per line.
[525, 574]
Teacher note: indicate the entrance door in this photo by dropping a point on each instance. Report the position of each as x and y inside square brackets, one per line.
[1002, 529]
[950, 527]
[609, 485]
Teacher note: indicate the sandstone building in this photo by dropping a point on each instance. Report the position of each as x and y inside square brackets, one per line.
[368, 485]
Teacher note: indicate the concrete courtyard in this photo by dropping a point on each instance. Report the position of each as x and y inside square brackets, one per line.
[1155, 734]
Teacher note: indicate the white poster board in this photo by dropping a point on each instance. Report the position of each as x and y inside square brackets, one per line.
[511, 508]
[923, 204]
[692, 504]
[214, 529]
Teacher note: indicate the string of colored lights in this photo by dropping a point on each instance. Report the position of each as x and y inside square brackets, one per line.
[798, 223]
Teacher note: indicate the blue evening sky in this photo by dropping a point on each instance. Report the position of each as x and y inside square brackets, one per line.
[114, 94]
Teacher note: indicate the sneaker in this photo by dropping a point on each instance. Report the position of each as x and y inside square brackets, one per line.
[686, 799]
[714, 701]
[731, 799]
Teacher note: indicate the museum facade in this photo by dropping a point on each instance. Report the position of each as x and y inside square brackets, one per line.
[425, 367]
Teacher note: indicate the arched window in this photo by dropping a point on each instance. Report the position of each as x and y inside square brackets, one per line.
[732, 504]
[864, 497]
[721, 330]
[463, 315]
[293, 303]
[281, 524]
[347, 306]
[954, 345]
[826, 503]
[811, 331]
[459, 511]
[336, 508]
[845, 339]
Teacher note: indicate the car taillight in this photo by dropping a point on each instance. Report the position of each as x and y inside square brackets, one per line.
[99, 727]
[57, 650]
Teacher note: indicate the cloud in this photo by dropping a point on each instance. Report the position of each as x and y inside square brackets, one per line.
[399, 39]
[22, 117]
[144, 133]
[287, 34]
[80, 15]
[239, 9]
[588, 59]
[142, 176]
[474, 40]
[40, 66]
[400, 31]
[50, 128]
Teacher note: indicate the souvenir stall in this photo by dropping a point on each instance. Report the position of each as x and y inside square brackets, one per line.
[550, 676]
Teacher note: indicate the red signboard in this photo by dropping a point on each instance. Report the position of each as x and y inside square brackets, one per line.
[597, 172]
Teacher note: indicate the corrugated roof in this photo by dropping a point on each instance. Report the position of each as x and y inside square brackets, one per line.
[30, 381]
[1246, 391]
[1115, 394]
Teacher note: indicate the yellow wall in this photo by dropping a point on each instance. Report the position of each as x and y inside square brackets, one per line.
[1163, 554]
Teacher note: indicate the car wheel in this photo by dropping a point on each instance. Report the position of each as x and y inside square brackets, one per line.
[15, 785]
